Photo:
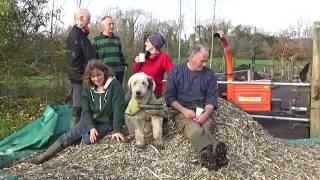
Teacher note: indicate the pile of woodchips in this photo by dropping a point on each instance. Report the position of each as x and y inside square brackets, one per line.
[253, 154]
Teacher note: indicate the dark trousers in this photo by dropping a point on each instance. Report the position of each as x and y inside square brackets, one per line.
[76, 90]
[119, 76]
[79, 132]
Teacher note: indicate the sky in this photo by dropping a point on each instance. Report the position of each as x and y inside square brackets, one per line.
[269, 15]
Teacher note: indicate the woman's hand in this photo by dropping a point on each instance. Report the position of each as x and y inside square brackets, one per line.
[136, 59]
[93, 135]
[119, 137]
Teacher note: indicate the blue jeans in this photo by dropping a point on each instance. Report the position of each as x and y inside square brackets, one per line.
[79, 132]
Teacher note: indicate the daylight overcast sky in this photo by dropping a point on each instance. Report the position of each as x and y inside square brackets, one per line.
[270, 15]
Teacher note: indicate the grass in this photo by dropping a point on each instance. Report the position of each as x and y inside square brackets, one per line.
[16, 113]
[25, 82]
[262, 65]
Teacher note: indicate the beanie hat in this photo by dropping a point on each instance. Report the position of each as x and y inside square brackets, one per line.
[157, 40]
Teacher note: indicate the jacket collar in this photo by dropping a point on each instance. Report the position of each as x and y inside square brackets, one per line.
[106, 85]
[107, 36]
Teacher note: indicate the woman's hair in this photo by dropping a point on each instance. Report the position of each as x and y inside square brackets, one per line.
[95, 64]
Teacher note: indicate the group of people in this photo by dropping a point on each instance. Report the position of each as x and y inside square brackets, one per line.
[96, 70]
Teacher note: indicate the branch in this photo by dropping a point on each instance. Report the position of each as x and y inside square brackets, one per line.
[34, 68]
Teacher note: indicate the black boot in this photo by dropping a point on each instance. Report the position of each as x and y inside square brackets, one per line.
[49, 153]
[207, 158]
[220, 154]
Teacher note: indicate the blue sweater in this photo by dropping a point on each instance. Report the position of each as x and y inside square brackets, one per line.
[191, 88]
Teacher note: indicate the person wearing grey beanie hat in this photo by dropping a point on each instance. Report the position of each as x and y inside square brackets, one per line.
[156, 62]
[157, 40]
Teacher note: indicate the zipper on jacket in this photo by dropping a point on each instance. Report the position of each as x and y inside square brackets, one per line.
[100, 102]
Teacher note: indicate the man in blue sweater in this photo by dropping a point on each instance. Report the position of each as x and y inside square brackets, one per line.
[193, 86]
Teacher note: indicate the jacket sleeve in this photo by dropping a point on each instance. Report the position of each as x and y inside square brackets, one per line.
[87, 49]
[118, 103]
[122, 58]
[137, 67]
[212, 91]
[86, 111]
[74, 49]
[167, 64]
[95, 47]
[171, 92]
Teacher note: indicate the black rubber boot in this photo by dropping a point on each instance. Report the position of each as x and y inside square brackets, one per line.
[207, 158]
[220, 154]
[49, 153]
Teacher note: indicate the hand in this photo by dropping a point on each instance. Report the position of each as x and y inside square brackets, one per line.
[119, 137]
[189, 113]
[200, 119]
[136, 59]
[93, 135]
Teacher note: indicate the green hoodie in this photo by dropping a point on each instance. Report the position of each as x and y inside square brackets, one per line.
[107, 107]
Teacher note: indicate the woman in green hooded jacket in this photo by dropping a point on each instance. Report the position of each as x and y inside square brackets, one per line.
[103, 108]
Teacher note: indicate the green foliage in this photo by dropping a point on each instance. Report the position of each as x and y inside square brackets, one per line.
[26, 47]
[28, 82]
[17, 113]
[4, 6]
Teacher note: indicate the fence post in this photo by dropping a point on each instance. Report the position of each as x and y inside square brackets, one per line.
[272, 70]
[315, 84]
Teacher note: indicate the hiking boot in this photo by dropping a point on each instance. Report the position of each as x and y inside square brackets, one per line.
[207, 158]
[220, 154]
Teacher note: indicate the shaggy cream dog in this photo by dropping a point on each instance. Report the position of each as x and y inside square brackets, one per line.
[137, 120]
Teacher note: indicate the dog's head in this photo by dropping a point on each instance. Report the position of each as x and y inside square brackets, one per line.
[140, 84]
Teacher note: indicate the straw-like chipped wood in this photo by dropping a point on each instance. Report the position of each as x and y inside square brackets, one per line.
[253, 153]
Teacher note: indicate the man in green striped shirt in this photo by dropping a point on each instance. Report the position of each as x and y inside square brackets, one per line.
[108, 48]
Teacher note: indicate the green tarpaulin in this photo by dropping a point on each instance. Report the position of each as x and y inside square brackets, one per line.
[37, 135]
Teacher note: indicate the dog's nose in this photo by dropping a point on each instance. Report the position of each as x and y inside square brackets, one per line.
[138, 93]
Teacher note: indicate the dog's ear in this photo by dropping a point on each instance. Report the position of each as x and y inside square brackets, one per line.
[129, 84]
[152, 84]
